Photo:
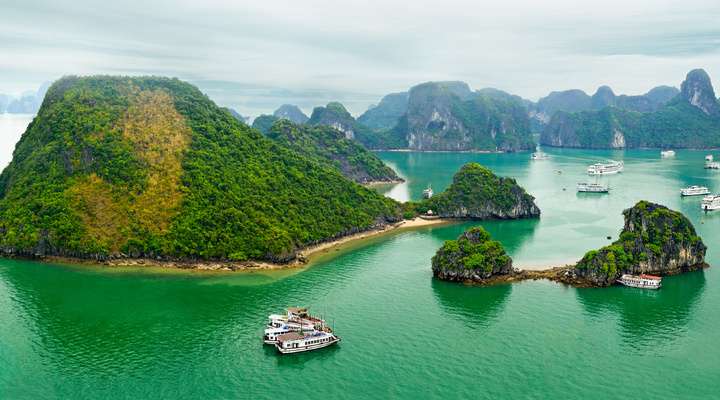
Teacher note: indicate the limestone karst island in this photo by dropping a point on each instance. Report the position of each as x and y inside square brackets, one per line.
[317, 199]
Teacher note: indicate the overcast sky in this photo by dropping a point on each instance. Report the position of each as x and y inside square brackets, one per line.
[254, 55]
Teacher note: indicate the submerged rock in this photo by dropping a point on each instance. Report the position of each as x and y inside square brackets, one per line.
[654, 240]
[473, 257]
[477, 193]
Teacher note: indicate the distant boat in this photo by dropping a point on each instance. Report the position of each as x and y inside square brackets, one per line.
[611, 167]
[427, 193]
[641, 281]
[710, 203]
[539, 155]
[667, 153]
[694, 190]
[592, 188]
[710, 163]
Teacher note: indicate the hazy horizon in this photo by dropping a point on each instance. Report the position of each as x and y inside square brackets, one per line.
[254, 57]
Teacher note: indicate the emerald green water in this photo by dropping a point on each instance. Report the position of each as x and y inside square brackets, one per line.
[90, 332]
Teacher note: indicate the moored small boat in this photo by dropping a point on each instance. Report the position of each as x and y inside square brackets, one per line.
[667, 153]
[694, 190]
[710, 163]
[611, 167]
[295, 342]
[642, 281]
[539, 155]
[592, 188]
[427, 193]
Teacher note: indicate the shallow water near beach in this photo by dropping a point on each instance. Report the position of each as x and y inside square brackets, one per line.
[92, 332]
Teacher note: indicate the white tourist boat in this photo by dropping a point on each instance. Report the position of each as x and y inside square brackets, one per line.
[641, 281]
[710, 203]
[428, 192]
[592, 188]
[710, 163]
[694, 190]
[539, 155]
[298, 342]
[667, 153]
[296, 319]
[611, 167]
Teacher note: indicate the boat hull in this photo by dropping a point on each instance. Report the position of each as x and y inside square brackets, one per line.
[640, 286]
[307, 348]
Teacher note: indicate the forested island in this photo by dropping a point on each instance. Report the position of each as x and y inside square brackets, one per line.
[150, 168]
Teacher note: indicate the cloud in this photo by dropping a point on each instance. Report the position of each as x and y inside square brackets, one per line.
[310, 52]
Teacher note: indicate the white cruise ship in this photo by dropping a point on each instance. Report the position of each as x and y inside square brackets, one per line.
[611, 167]
[296, 319]
[694, 190]
[667, 153]
[710, 203]
[710, 163]
[641, 281]
[295, 342]
[592, 188]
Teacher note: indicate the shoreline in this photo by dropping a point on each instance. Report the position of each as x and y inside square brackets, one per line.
[305, 256]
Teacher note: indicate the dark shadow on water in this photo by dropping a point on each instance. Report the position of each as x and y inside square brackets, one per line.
[473, 305]
[647, 317]
[513, 234]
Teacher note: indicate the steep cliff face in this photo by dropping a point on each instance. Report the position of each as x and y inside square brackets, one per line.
[329, 146]
[477, 193]
[654, 240]
[336, 116]
[473, 257]
[387, 114]
[292, 113]
[698, 91]
[448, 116]
[690, 120]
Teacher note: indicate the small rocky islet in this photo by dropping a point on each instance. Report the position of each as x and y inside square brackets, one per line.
[654, 240]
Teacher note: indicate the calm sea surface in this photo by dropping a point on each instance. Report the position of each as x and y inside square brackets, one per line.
[88, 332]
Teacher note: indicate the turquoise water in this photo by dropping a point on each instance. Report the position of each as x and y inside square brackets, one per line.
[87, 332]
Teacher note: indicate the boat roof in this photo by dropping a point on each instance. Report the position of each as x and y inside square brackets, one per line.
[289, 336]
[655, 277]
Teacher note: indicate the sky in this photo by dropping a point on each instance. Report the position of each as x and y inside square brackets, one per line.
[256, 55]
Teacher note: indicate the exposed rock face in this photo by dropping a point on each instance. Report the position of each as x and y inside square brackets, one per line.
[473, 257]
[698, 91]
[291, 112]
[329, 146]
[689, 120]
[386, 114]
[477, 193]
[448, 116]
[334, 115]
[654, 240]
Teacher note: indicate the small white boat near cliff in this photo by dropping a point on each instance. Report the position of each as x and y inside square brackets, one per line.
[642, 281]
[427, 193]
[667, 153]
[710, 163]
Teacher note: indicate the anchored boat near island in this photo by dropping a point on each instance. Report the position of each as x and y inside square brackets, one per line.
[297, 331]
[611, 167]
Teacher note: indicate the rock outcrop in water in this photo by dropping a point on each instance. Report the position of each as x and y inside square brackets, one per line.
[477, 193]
[473, 257]
[654, 240]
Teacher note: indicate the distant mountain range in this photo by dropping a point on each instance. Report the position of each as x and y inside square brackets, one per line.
[689, 119]
[27, 103]
[450, 116]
